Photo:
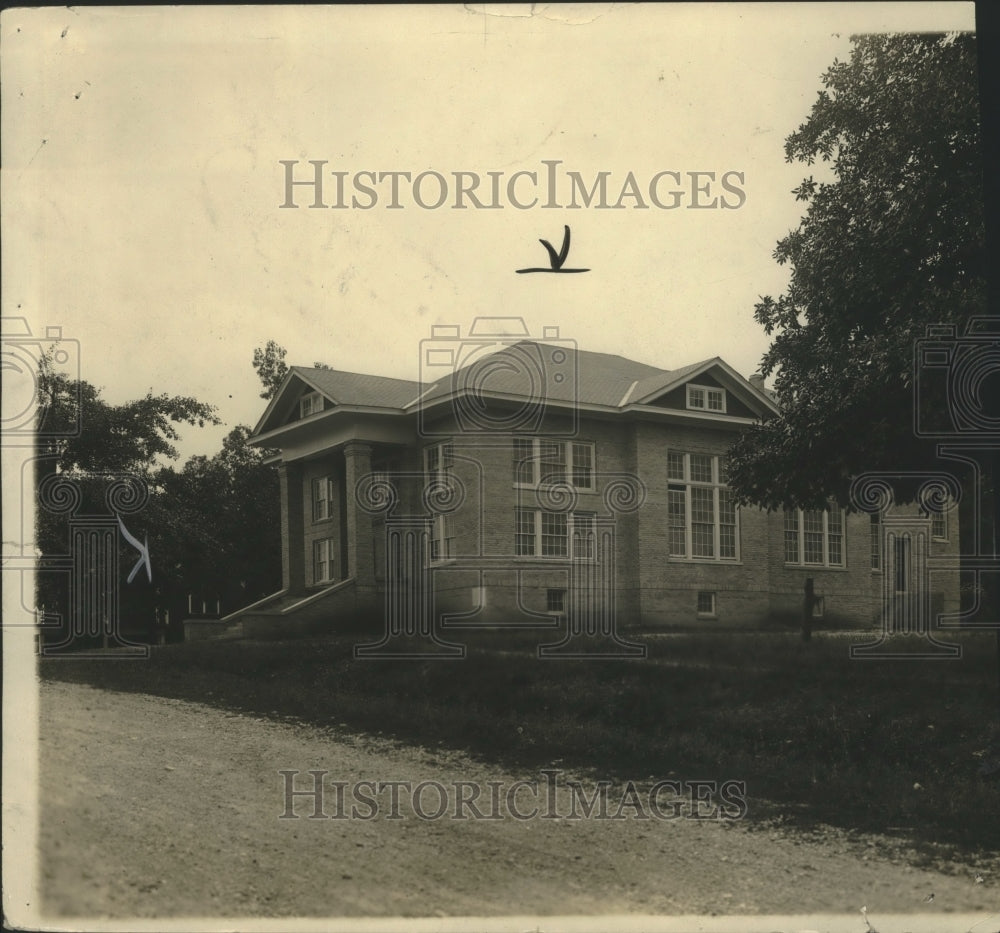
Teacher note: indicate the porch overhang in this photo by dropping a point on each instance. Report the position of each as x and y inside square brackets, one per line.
[331, 429]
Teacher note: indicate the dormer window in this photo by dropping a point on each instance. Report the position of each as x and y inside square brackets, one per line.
[310, 404]
[706, 398]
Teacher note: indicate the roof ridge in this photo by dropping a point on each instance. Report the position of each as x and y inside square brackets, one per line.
[578, 350]
[350, 372]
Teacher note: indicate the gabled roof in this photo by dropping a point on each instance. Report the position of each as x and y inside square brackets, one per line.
[351, 390]
[557, 372]
[652, 386]
[551, 371]
[359, 389]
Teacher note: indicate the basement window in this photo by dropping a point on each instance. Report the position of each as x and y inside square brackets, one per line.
[555, 602]
[706, 604]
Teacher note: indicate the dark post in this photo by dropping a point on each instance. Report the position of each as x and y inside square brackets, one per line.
[807, 610]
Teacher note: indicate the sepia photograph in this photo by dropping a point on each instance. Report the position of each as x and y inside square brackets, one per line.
[499, 468]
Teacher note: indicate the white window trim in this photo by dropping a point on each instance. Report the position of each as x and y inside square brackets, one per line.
[309, 401]
[444, 463]
[442, 531]
[556, 612]
[713, 612]
[327, 544]
[875, 525]
[706, 390]
[442, 528]
[716, 485]
[826, 541]
[570, 524]
[321, 482]
[942, 517]
[567, 464]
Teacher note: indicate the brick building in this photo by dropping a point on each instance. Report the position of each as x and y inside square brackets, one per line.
[513, 481]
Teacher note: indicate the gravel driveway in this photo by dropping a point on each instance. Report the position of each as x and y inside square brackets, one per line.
[160, 808]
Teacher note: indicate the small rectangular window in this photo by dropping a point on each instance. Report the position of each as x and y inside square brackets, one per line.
[441, 538]
[438, 459]
[323, 560]
[310, 404]
[876, 542]
[322, 498]
[706, 398]
[939, 526]
[555, 601]
[706, 603]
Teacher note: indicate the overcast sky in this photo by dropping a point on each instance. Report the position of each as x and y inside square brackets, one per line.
[142, 179]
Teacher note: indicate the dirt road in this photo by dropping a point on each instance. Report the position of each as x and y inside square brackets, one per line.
[161, 808]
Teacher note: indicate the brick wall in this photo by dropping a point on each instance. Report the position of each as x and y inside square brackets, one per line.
[313, 529]
[653, 588]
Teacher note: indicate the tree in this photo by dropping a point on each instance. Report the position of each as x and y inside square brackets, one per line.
[269, 362]
[82, 433]
[89, 442]
[892, 240]
[216, 526]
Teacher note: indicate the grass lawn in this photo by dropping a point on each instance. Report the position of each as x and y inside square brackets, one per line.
[887, 746]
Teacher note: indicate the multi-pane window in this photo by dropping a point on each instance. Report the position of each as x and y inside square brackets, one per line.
[555, 601]
[814, 537]
[584, 532]
[438, 459]
[939, 526]
[323, 557]
[701, 512]
[438, 462]
[524, 535]
[441, 538]
[706, 398]
[554, 534]
[876, 541]
[322, 498]
[537, 460]
[939, 522]
[310, 404]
